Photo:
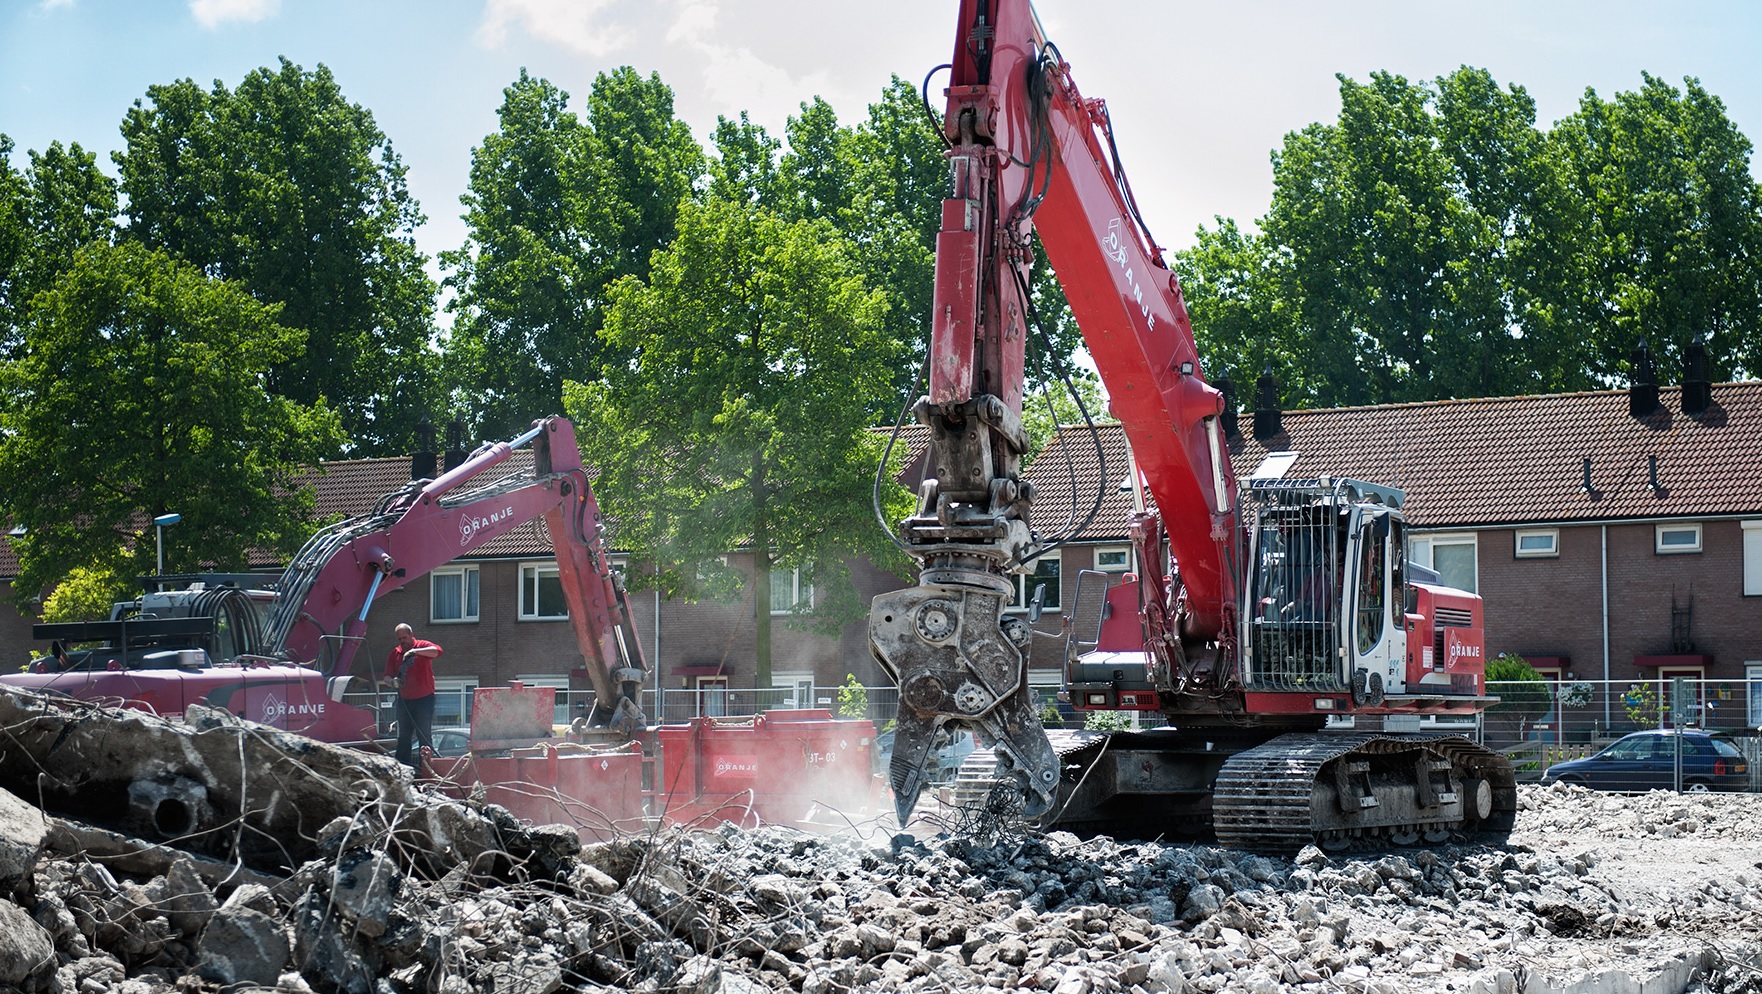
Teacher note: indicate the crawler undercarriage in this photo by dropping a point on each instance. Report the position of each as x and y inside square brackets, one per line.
[1337, 790]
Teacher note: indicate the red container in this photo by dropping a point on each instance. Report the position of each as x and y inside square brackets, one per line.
[599, 792]
[769, 769]
[596, 789]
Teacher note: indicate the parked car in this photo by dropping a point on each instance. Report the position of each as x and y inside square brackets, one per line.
[1647, 761]
[452, 740]
[949, 752]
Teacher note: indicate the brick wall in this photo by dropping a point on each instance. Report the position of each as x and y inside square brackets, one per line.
[1553, 607]
[16, 647]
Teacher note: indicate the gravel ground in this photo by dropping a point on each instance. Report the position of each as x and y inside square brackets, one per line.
[1595, 893]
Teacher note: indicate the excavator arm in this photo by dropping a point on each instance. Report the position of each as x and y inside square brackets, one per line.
[327, 591]
[1028, 153]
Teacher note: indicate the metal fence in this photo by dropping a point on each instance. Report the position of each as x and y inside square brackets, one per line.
[1537, 723]
[1541, 723]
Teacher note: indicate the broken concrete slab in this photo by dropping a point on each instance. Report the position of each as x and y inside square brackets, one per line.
[241, 946]
[27, 952]
[22, 829]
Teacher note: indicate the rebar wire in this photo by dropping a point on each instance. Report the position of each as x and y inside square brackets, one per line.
[1047, 356]
[887, 455]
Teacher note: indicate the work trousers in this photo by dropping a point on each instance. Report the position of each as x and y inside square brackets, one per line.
[415, 722]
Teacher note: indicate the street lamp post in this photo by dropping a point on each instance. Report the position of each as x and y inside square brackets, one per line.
[159, 524]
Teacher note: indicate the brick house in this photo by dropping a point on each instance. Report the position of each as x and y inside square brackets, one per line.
[1608, 545]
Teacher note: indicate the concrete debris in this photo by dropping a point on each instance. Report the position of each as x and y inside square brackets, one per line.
[347, 877]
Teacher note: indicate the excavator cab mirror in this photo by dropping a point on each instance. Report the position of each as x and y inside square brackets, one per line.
[1037, 603]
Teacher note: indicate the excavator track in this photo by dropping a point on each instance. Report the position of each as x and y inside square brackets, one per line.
[1341, 790]
[1277, 795]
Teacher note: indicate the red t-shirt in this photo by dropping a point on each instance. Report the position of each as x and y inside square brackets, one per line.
[419, 680]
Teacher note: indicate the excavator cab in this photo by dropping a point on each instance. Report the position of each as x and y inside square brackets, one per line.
[1323, 600]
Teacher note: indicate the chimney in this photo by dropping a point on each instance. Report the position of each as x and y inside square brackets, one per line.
[422, 460]
[1227, 387]
[1697, 392]
[1266, 407]
[1642, 391]
[455, 444]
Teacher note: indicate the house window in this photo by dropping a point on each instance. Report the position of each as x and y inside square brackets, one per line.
[1452, 556]
[1045, 575]
[791, 690]
[1753, 690]
[1113, 558]
[452, 595]
[1538, 543]
[1678, 538]
[790, 592]
[562, 712]
[452, 700]
[541, 593]
[712, 696]
[1753, 558]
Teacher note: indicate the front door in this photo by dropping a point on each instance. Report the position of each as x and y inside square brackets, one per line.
[712, 696]
[1379, 640]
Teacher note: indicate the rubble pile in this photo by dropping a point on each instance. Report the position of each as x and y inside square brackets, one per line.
[381, 887]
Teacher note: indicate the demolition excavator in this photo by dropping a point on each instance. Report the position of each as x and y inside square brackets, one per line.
[1278, 628]
[283, 656]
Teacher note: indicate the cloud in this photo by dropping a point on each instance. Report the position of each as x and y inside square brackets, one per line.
[574, 24]
[54, 4]
[211, 14]
[733, 75]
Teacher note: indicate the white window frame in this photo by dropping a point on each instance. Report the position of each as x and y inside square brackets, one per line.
[1662, 549]
[557, 682]
[1752, 557]
[537, 571]
[1753, 690]
[1421, 548]
[1025, 583]
[800, 590]
[801, 684]
[469, 578]
[446, 687]
[1124, 552]
[1550, 551]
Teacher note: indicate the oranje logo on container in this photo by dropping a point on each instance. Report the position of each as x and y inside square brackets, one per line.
[735, 766]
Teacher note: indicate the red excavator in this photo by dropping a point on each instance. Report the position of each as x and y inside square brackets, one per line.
[283, 657]
[1278, 626]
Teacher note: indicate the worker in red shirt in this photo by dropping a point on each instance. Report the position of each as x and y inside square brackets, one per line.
[410, 668]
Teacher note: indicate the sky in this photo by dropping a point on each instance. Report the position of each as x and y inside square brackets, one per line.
[1200, 93]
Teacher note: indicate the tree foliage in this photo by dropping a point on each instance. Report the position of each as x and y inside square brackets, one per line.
[559, 207]
[739, 419]
[1670, 231]
[1433, 242]
[60, 203]
[1518, 686]
[140, 391]
[291, 191]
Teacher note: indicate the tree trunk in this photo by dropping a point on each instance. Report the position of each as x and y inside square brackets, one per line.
[761, 579]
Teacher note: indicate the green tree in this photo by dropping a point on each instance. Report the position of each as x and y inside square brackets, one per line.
[1434, 243]
[558, 209]
[141, 391]
[853, 698]
[60, 203]
[524, 278]
[898, 178]
[739, 420]
[87, 592]
[1232, 282]
[14, 240]
[1670, 234]
[1518, 686]
[288, 189]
